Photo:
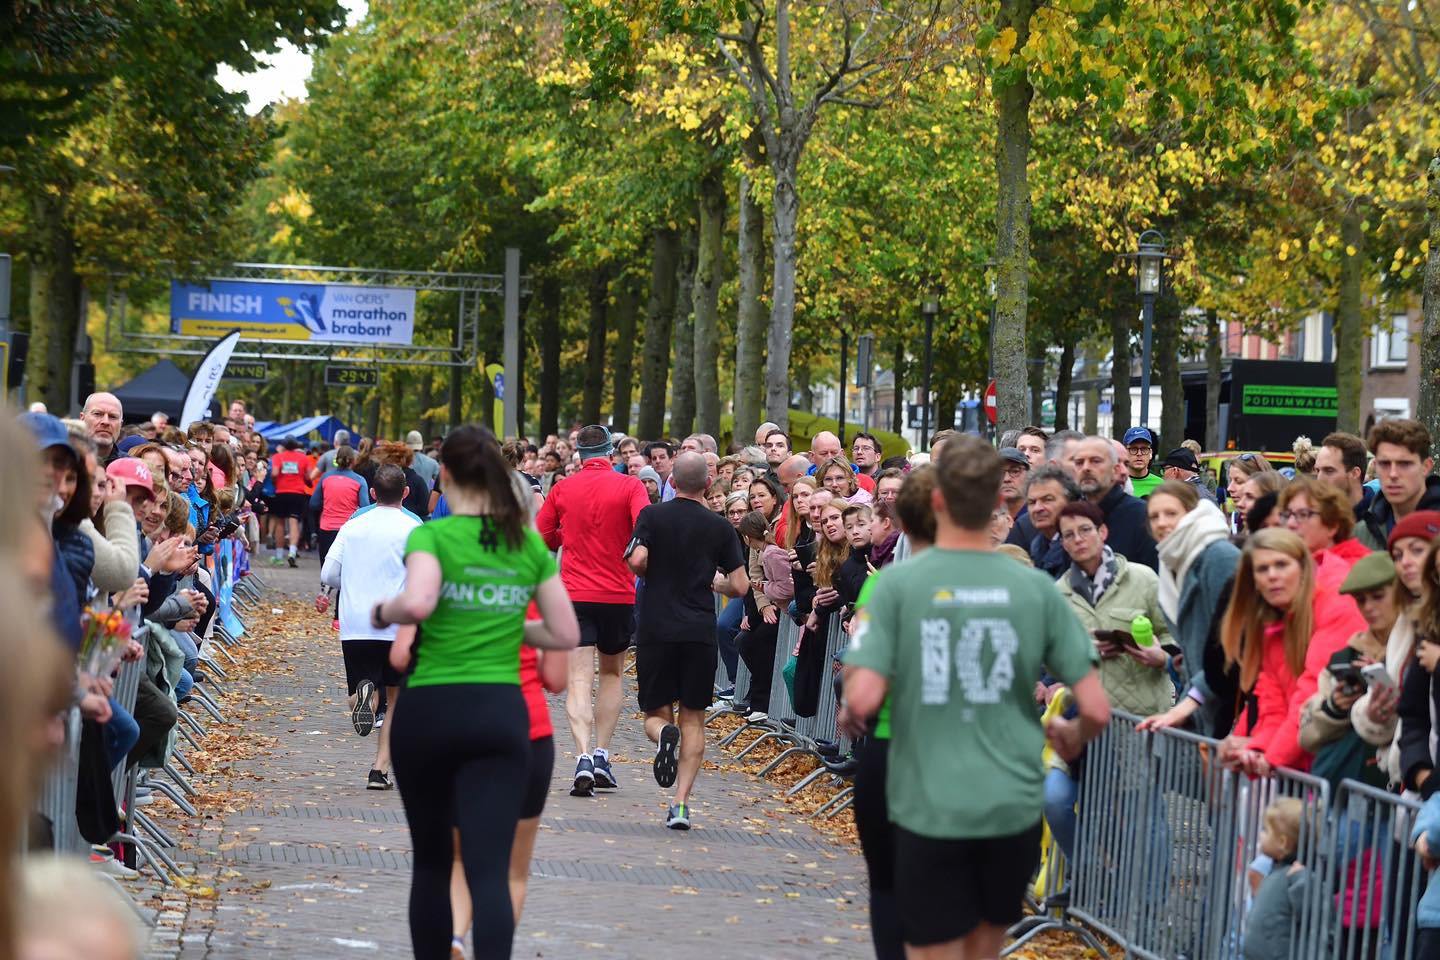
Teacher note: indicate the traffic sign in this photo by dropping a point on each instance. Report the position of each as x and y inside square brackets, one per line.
[990, 410]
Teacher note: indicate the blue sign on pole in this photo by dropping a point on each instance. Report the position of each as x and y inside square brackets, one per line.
[500, 386]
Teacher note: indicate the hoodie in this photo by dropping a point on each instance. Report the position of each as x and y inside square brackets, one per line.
[1374, 528]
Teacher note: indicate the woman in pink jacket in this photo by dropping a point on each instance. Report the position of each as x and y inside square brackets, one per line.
[1282, 629]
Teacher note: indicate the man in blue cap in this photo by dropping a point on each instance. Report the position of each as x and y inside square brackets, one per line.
[1140, 453]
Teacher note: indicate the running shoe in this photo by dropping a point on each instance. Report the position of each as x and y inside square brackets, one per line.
[103, 859]
[362, 715]
[604, 776]
[756, 716]
[379, 717]
[679, 817]
[275, 561]
[726, 693]
[379, 780]
[667, 756]
[584, 778]
[290, 559]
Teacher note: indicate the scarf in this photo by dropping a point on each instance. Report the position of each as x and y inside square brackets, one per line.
[1093, 588]
[1197, 530]
[883, 552]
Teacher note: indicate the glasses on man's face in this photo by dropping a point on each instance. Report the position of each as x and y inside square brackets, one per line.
[1299, 516]
[736, 514]
[1137, 449]
[177, 477]
[1077, 534]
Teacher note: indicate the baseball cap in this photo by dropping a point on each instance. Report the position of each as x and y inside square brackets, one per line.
[132, 473]
[1139, 433]
[1424, 524]
[1183, 458]
[414, 440]
[1370, 571]
[130, 443]
[1014, 455]
[47, 429]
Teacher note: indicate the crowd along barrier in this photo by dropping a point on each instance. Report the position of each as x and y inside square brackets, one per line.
[1168, 853]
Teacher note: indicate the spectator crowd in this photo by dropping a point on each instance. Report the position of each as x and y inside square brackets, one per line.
[1291, 613]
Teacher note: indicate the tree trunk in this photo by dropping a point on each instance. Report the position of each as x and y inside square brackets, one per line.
[287, 400]
[682, 377]
[1035, 378]
[656, 352]
[54, 307]
[1212, 379]
[709, 273]
[1062, 383]
[897, 413]
[627, 307]
[947, 398]
[1120, 322]
[1429, 409]
[1012, 215]
[782, 291]
[549, 356]
[595, 352]
[1349, 325]
[457, 400]
[398, 426]
[750, 314]
[427, 400]
[804, 392]
[372, 416]
[1172, 387]
[517, 378]
[1092, 395]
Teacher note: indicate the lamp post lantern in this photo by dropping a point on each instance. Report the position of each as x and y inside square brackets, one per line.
[930, 307]
[1150, 257]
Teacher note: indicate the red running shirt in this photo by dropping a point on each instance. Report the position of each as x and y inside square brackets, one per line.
[290, 469]
[531, 688]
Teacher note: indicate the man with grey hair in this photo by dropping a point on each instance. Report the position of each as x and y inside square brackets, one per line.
[826, 446]
[103, 414]
[1060, 446]
[699, 443]
[1047, 492]
[763, 431]
[1096, 466]
[326, 463]
[686, 554]
[591, 515]
[425, 465]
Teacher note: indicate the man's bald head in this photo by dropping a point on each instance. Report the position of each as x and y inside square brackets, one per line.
[689, 474]
[102, 415]
[825, 446]
[792, 469]
[763, 431]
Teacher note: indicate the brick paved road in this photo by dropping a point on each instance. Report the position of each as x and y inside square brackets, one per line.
[316, 866]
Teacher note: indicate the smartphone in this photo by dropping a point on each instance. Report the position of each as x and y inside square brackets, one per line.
[1377, 676]
[1348, 675]
[806, 553]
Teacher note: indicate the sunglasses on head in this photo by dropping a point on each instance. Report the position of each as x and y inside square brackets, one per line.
[1247, 457]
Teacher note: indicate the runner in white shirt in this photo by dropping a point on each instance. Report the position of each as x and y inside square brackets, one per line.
[366, 561]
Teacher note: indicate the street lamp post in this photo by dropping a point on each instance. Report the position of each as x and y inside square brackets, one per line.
[1149, 279]
[929, 307]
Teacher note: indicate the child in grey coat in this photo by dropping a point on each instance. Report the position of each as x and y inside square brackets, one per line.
[1271, 923]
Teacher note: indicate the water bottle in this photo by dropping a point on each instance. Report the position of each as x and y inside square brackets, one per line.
[1143, 631]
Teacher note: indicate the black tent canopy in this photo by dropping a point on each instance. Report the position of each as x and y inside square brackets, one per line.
[161, 388]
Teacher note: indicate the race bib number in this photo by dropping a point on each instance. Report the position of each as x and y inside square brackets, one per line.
[289, 468]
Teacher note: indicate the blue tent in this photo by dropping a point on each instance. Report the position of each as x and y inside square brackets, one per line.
[324, 426]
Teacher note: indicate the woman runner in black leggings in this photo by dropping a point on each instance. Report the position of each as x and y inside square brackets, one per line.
[461, 743]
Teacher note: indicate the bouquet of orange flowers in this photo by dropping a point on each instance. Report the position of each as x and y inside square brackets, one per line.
[106, 632]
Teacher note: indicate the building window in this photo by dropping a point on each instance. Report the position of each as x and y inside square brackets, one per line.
[1391, 348]
[1391, 408]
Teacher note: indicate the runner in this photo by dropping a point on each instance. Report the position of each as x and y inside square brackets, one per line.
[291, 502]
[368, 559]
[461, 744]
[686, 554]
[943, 633]
[591, 515]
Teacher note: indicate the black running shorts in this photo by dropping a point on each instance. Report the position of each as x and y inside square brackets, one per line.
[369, 660]
[666, 672]
[290, 505]
[946, 888]
[605, 626]
[542, 765]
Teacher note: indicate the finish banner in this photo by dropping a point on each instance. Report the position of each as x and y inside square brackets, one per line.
[318, 312]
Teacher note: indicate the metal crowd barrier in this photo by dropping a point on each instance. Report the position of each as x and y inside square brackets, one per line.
[1168, 843]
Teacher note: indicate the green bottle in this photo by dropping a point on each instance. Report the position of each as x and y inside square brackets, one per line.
[1142, 630]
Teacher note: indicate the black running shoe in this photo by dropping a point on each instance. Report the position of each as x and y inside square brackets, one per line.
[584, 785]
[667, 756]
[362, 715]
[379, 780]
[290, 559]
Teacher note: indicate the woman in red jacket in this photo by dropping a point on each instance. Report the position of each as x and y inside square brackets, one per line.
[1281, 628]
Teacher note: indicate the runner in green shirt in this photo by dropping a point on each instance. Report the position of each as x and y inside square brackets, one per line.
[461, 742]
[957, 639]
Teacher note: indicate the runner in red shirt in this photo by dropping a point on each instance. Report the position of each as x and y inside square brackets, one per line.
[290, 467]
[592, 514]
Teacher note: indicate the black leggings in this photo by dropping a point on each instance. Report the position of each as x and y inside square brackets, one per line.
[757, 648]
[877, 841]
[462, 759]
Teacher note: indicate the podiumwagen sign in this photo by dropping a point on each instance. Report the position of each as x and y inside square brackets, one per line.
[320, 312]
[1288, 401]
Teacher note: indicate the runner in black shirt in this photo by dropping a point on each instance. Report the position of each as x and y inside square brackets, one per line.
[686, 554]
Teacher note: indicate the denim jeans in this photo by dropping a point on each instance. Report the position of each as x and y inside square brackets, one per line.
[189, 649]
[121, 734]
[1061, 791]
[727, 625]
